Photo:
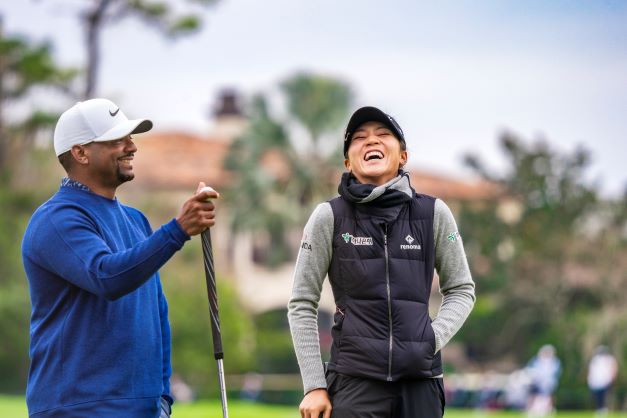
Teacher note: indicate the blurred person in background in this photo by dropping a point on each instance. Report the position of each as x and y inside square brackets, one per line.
[379, 242]
[99, 330]
[602, 372]
[544, 370]
[517, 389]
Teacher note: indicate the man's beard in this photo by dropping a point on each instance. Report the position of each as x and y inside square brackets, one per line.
[124, 177]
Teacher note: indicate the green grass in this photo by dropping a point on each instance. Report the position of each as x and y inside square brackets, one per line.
[15, 407]
[237, 409]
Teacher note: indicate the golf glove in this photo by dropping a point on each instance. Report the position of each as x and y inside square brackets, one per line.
[166, 409]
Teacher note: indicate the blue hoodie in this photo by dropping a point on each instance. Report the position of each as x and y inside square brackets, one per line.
[99, 334]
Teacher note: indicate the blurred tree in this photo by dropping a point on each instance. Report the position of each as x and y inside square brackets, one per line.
[14, 301]
[261, 197]
[24, 67]
[319, 103]
[160, 15]
[276, 182]
[524, 237]
[275, 352]
[542, 263]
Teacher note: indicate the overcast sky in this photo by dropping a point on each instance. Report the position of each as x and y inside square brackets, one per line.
[455, 74]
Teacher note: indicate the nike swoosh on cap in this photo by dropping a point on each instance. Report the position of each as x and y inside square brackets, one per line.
[114, 113]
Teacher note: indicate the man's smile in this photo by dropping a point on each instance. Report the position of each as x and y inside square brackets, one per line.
[126, 160]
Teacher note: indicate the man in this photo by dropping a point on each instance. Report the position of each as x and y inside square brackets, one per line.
[100, 337]
[379, 243]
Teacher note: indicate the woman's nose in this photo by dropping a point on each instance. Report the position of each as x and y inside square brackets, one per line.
[373, 139]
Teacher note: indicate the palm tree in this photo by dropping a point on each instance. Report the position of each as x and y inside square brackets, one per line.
[275, 186]
[259, 198]
[321, 105]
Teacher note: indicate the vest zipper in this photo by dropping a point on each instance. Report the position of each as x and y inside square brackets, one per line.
[389, 294]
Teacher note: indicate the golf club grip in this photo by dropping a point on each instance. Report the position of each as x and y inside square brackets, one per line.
[212, 294]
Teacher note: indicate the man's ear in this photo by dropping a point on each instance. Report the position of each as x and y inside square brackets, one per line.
[347, 164]
[80, 154]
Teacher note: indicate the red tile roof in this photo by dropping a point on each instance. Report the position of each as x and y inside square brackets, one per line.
[447, 188]
[178, 160]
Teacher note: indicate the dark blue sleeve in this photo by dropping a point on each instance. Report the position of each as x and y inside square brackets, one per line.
[69, 244]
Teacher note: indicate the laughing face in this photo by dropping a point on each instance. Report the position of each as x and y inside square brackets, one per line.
[374, 154]
[111, 162]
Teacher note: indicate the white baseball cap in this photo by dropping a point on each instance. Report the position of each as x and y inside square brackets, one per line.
[95, 120]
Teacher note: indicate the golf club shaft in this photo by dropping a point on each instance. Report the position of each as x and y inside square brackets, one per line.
[212, 294]
[225, 411]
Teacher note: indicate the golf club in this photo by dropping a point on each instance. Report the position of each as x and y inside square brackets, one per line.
[212, 295]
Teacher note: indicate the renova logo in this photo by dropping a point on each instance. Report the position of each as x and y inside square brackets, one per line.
[356, 240]
[114, 113]
[409, 245]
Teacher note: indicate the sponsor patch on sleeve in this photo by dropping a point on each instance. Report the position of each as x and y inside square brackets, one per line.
[453, 236]
[304, 243]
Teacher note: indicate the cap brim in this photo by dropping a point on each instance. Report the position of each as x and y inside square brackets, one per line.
[134, 126]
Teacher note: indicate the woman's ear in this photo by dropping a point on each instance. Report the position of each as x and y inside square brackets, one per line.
[403, 160]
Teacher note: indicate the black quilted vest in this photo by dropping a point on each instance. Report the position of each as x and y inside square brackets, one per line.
[381, 273]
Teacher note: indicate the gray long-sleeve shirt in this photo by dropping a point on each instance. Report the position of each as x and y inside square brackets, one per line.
[456, 284]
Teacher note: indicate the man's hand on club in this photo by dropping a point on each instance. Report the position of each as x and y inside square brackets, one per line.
[316, 404]
[198, 212]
